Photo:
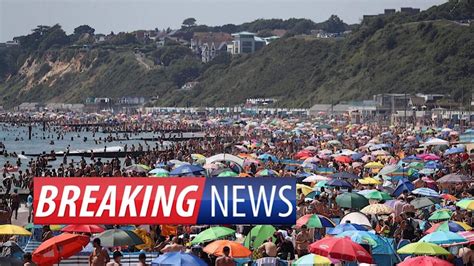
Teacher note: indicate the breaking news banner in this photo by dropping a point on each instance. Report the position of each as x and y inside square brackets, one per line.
[137, 200]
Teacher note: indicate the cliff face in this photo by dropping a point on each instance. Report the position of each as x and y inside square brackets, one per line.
[431, 52]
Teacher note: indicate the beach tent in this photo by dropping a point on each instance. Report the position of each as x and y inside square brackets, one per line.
[356, 218]
[225, 157]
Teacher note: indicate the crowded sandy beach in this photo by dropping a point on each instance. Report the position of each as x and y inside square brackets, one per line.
[366, 193]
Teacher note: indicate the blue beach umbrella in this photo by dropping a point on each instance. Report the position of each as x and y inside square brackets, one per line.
[187, 169]
[443, 237]
[338, 183]
[178, 259]
[424, 191]
[340, 228]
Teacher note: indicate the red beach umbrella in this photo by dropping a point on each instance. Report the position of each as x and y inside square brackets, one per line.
[59, 247]
[342, 249]
[83, 228]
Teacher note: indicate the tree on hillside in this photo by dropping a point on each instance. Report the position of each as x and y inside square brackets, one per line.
[55, 36]
[189, 22]
[84, 29]
[41, 29]
[334, 24]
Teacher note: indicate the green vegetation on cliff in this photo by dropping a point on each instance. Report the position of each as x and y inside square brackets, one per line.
[430, 52]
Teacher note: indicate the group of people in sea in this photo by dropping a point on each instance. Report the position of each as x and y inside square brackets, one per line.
[311, 150]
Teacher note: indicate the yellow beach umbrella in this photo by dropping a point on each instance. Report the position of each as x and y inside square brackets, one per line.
[304, 188]
[10, 229]
[369, 181]
[374, 165]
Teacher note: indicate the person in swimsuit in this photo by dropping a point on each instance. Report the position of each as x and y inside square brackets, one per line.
[99, 256]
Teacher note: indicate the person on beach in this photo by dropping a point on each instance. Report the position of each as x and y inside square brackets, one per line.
[226, 259]
[99, 256]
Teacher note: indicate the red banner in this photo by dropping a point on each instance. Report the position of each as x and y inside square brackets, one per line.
[117, 200]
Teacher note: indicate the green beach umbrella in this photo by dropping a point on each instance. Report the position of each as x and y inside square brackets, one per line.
[228, 174]
[378, 195]
[258, 235]
[352, 200]
[416, 165]
[212, 233]
[440, 215]
[423, 248]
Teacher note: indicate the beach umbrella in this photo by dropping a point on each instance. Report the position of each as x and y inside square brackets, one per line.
[237, 250]
[198, 158]
[334, 143]
[118, 238]
[374, 165]
[469, 235]
[52, 227]
[449, 197]
[10, 229]
[312, 259]
[423, 202]
[212, 233]
[433, 165]
[159, 172]
[379, 244]
[267, 172]
[443, 238]
[228, 174]
[424, 191]
[442, 214]
[352, 200]
[425, 261]
[356, 218]
[178, 259]
[454, 178]
[314, 221]
[59, 247]
[467, 204]
[376, 195]
[343, 159]
[325, 170]
[344, 227]
[345, 175]
[435, 142]
[258, 235]
[453, 150]
[449, 226]
[311, 160]
[342, 249]
[137, 168]
[403, 185]
[416, 165]
[304, 154]
[377, 209]
[338, 183]
[369, 181]
[304, 188]
[389, 169]
[268, 157]
[187, 169]
[83, 228]
[316, 178]
[423, 248]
